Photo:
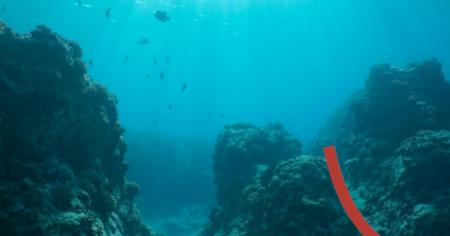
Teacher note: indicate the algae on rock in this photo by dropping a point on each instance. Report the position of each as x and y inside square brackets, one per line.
[266, 187]
[393, 139]
[62, 168]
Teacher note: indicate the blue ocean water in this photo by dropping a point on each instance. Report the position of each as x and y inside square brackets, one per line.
[291, 61]
[218, 62]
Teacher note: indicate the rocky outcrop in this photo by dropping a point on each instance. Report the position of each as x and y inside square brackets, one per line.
[62, 168]
[416, 200]
[293, 198]
[242, 149]
[393, 138]
[395, 104]
[266, 188]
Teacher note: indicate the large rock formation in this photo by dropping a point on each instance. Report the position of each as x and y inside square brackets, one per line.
[243, 148]
[395, 104]
[266, 188]
[61, 149]
[417, 195]
[393, 138]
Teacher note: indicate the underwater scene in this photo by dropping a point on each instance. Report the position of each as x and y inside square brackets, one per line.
[224, 117]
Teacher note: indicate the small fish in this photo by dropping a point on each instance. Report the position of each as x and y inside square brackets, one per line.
[167, 60]
[79, 2]
[184, 87]
[143, 42]
[147, 76]
[108, 13]
[91, 63]
[170, 106]
[162, 75]
[222, 116]
[3, 9]
[162, 16]
[155, 61]
[125, 59]
[155, 122]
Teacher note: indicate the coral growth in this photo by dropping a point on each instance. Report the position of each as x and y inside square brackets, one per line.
[61, 148]
[243, 148]
[290, 195]
[415, 192]
[293, 198]
[395, 104]
[393, 138]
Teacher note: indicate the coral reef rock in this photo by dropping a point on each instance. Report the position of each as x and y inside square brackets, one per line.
[266, 187]
[62, 169]
[395, 104]
[416, 200]
[394, 140]
[243, 149]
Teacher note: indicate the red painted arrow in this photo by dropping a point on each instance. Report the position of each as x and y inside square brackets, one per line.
[344, 195]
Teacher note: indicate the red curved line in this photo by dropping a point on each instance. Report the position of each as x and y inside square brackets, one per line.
[344, 195]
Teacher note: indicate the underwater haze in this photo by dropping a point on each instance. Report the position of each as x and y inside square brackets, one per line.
[291, 61]
[223, 108]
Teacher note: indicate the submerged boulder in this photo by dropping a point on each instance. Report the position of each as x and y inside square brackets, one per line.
[395, 104]
[393, 139]
[415, 199]
[62, 168]
[293, 198]
[265, 187]
[243, 149]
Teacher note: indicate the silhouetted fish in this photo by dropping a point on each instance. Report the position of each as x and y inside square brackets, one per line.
[155, 122]
[79, 2]
[2, 9]
[143, 41]
[155, 61]
[162, 16]
[125, 59]
[108, 13]
[170, 106]
[222, 116]
[91, 63]
[184, 87]
[167, 60]
[147, 76]
[162, 75]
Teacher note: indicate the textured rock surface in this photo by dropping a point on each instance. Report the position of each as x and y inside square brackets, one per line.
[395, 104]
[61, 150]
[243, 148]
[294, 198]
[413, 196]
[394, 140]
[274, 191]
